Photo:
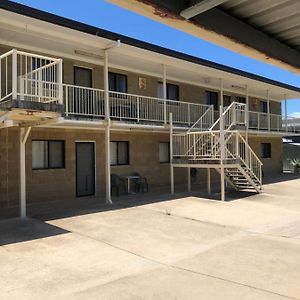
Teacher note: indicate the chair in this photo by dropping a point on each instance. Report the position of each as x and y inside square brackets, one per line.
[116, 183]
[141, 183]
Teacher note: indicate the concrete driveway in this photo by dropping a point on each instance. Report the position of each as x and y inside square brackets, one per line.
[186, 248]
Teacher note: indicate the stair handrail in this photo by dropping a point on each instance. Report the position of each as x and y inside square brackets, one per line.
[210, 111]
[235, 106]
[248, 161]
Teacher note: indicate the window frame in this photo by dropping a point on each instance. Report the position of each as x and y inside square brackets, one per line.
[263, 151]
[168, 93]
[115, 74]
[48, 157]
[215, 105]
[263, 107]
[127, 158]
[164, 162]
[86, 69]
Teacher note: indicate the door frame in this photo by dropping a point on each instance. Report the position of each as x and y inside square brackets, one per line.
[95, 166]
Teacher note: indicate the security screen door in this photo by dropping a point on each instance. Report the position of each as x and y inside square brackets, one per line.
[85, 169]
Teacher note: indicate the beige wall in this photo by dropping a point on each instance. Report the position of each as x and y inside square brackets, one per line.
[59, 184]
[271, 165]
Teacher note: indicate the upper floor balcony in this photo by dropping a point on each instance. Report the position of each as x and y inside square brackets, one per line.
[35, 83]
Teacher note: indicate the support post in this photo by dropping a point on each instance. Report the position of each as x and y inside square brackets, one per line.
[24, 133]
[60, 83]
[208, 182]
[285, 114]
[14, 74]
[107, 132]
[165, 92]
[171, 154]
[268, 107]
[222, 140]
[189, 179]
[247, 112]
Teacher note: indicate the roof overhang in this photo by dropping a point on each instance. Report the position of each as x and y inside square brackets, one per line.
[32, 30]
[217, 25]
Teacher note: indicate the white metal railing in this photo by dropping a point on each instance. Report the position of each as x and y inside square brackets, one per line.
[30, 77]
[205, 121]
[89, 102]
[234, 114]
[207, 146]
[245, 153]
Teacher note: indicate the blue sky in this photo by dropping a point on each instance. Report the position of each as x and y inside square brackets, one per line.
[105, 15]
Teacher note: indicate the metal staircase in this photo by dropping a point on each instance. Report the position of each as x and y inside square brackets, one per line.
[221, 147]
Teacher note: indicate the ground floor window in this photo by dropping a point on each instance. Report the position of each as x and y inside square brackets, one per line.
[266, 150]
[119, 153]
[48, 154]
[164, 152]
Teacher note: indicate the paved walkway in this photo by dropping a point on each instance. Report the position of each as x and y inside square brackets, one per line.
[184, 248]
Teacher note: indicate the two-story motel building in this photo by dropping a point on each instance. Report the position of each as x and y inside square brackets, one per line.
[78, 103]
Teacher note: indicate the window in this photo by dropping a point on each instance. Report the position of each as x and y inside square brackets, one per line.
[226, 100]
[117, 82]
[212, 99]
[240, 99]
[172, 91]
[119, 153]
[83, 77]
[263, 106]
[48, 154]
[164, 152]
[266, 150]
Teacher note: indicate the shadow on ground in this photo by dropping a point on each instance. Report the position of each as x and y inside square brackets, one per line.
[22, 230]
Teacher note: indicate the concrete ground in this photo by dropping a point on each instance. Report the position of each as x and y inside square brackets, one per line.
[182, 248]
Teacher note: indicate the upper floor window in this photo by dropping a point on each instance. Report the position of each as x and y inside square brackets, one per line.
[226, 100]
[212, 99]
[83, 77]
[117, 82]
[240, 99]
[172, 91]
[48, 154]
[266, 150]
[263, 106]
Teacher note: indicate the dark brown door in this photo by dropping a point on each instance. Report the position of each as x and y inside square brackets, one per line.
[85, 169]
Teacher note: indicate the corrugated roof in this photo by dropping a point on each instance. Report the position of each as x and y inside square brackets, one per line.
[278, 18]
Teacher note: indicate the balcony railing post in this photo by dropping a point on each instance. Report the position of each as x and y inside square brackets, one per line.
[40, 86]
[138, 109]
[189, 114]
[194, 145]
[67, 100]
[60, 82]
[269, 116]
[14, 74]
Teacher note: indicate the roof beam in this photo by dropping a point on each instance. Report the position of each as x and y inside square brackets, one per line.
[200, 8]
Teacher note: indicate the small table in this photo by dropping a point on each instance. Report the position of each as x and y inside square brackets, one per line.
[128, 178]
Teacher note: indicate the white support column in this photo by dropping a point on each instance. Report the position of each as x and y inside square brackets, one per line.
[222, 184]
[208, 182]
[60, 83]
[14, 74]
[107, 132]
[171, 154]
[268, 107]
[189, 183]
[24, 133]
[247, 112]
[285, 114]
[222, 140]
[165, 92]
